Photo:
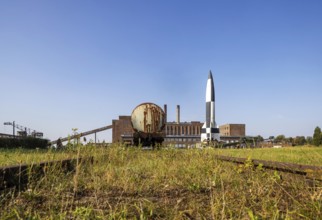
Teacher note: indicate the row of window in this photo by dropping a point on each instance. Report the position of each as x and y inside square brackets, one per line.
[184, 130]
[182, 139]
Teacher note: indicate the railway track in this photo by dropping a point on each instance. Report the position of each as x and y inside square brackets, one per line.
[309, 171]
[18, 176]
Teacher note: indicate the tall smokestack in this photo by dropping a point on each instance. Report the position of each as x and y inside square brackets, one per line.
[165, 112]
[178, 114]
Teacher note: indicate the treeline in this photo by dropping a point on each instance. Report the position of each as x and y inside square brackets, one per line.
[294, 141]
[25, 142]
[301, 140]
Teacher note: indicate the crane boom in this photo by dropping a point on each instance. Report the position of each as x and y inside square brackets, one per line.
[83, 134]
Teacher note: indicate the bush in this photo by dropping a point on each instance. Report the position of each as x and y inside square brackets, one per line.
[317, 136]
[26, 142]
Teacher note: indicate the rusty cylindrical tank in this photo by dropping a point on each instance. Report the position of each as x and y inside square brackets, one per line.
[148, 122]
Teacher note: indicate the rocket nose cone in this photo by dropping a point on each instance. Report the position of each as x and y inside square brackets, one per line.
[210, 75]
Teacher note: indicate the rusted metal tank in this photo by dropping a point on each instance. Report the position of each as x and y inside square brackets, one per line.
[148, 122]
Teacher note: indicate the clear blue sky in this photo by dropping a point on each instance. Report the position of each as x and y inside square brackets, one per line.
[81, 64]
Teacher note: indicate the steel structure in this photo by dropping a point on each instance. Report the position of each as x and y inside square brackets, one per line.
[24, 131]
[82, 134]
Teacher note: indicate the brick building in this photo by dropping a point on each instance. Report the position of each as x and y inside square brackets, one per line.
[121, 128]
[183, 134]
[235, 130]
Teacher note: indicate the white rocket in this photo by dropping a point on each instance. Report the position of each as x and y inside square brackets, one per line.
[210, 130]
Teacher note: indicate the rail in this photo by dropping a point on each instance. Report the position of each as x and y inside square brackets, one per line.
[18, 176]
[311, 172]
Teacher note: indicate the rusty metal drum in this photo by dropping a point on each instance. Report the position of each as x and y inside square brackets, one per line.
[148, 118]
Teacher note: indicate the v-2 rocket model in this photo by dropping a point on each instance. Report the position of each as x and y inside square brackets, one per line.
[210, 130]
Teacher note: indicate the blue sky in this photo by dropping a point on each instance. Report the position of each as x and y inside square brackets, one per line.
[81, 64]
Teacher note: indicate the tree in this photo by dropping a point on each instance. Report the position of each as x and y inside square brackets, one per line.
[290, 141]
[299, 140]
[259, 138]
[309, 140]
[280, 138]
[317, 137]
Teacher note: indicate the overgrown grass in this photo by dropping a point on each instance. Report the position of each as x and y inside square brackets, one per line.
[27, 156]
[130, 183]
[301, 155]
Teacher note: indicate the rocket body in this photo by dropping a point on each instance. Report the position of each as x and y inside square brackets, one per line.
[210, 130]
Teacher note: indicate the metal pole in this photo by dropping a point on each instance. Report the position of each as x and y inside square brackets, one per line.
[95, 137]
[13, 125]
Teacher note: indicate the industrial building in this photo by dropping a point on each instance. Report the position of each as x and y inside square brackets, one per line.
[237, 130]
[180, 134]
[122, 130]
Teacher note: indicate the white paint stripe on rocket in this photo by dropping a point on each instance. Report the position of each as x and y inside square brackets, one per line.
[212, 114]
[208, 91]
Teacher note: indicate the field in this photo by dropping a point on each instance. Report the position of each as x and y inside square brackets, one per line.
[26, 156]
[130, 183]
[301, 155]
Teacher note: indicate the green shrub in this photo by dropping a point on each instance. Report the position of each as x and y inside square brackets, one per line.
[26, 143]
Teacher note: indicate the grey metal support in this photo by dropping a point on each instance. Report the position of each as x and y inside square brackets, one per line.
[14, 133]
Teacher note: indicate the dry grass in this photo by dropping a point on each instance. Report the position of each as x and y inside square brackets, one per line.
[128, 183]
[27, 156]
[302, 155]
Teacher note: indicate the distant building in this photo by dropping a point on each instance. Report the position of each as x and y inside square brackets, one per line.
[235, 130]
[183, 134]
[6, 135]
[121, 128]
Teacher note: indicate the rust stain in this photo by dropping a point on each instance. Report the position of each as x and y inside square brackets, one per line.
[153, 120]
